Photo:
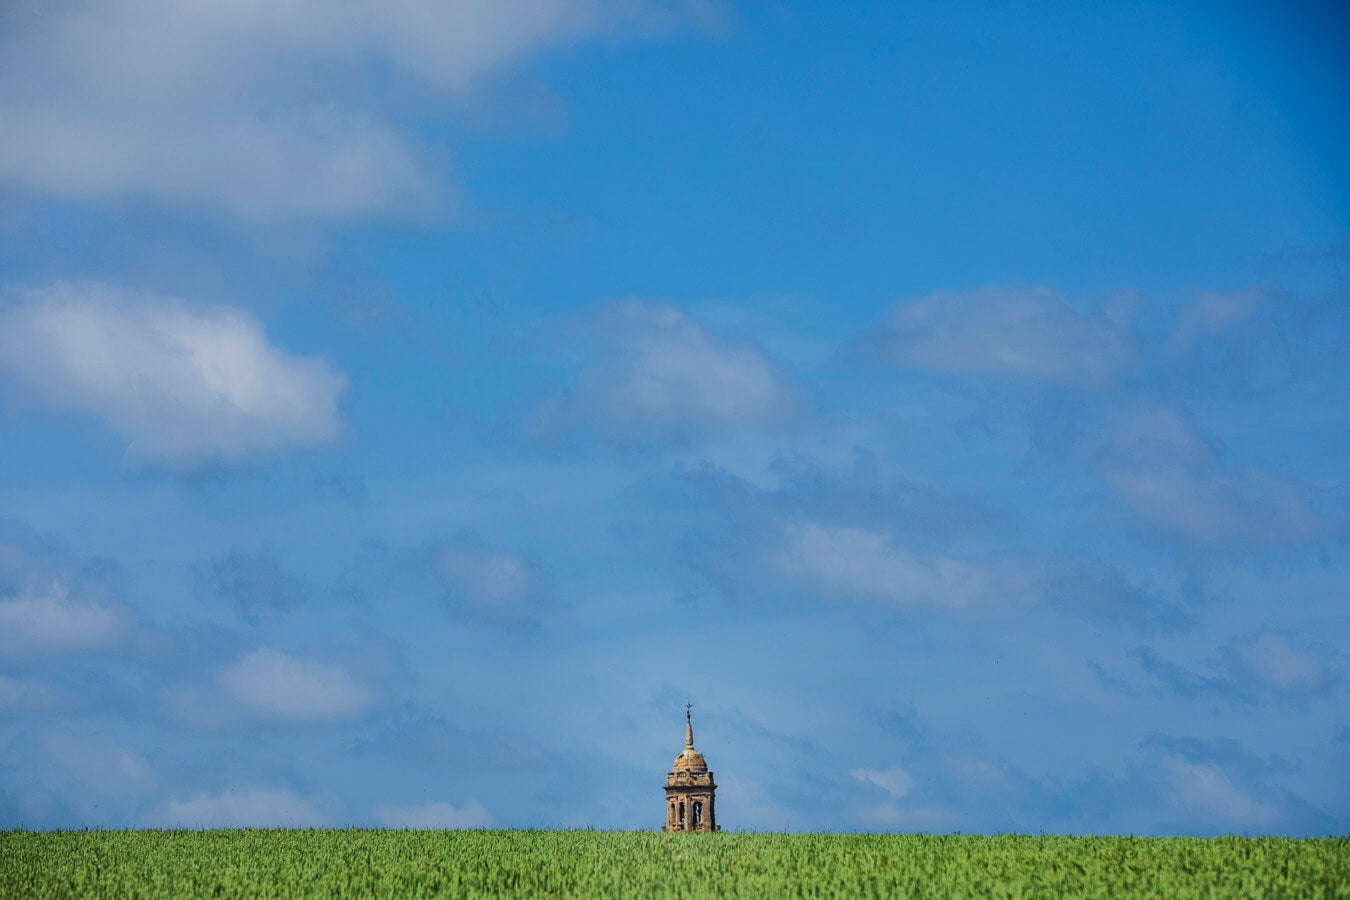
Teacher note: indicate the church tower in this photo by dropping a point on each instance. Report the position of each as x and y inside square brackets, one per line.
[690, 788]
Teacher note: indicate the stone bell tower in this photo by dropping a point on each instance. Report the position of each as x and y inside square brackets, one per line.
[690, 788]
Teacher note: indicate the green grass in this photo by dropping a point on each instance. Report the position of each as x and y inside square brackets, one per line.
[285, 863]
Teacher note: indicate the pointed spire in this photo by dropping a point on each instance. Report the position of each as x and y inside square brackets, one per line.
[688, 727]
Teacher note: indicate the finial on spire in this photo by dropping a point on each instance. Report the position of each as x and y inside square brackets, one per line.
[688, 726]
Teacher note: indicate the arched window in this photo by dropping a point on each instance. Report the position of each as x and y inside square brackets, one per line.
[698, 812]
[681, 812]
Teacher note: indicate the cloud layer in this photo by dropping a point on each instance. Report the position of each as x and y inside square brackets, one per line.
[424, 491]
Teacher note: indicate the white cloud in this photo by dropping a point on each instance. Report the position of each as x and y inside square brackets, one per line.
[660, 370]
[186, 386]
[1282, 665]
[868, 564]
[266, 111]
[1206, 792]
[433, 814]
[44, 620]
[244, 807]
[1031, 333]
[268, 684]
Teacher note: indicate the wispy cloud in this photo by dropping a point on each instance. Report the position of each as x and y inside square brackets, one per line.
[433, 814]
[653, 370]
[100, 764]
[48, 606]
[1212, 313]
[1026, 333]
[1097, 591]
[1273, 665]
[27, 694]
[267, 685]
[275, 685]
[1167, 784]
[895, 781]
[850, 535]
[854, 563]
[185, 386]
[855, 533]
[1215, 786]
[238, 807]
[1169, 476]
[1187, 683]
[253, 582]
[52, 621]
[1282, 664]
[1207, 792]
[490, 583]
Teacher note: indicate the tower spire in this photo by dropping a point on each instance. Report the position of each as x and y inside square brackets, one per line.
[688, 726]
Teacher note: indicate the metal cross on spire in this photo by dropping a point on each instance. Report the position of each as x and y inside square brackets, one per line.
[688, 726]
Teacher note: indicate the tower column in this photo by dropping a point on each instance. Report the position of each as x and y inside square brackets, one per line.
[690, 788]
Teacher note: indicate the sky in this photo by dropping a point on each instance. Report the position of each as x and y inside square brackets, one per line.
[407, 407]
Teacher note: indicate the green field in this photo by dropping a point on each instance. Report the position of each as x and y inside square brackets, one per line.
[287, 863]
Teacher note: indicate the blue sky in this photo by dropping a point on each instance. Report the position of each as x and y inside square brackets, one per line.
[406, 408]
